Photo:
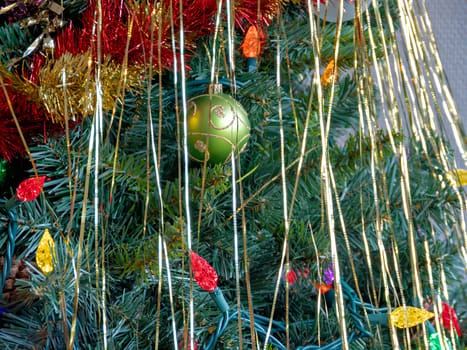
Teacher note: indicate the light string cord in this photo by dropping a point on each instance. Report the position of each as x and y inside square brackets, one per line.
[267, 330]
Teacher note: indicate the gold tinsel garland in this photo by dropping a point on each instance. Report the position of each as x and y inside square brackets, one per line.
[67, 86]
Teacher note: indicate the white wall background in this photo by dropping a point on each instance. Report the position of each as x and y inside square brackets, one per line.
[449, 21]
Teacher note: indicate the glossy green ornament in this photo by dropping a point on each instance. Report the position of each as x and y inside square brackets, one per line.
[217, 126]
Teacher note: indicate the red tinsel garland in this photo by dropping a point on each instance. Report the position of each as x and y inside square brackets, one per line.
[80, 36]
[198, 20]
[31, 118]
[255, 12]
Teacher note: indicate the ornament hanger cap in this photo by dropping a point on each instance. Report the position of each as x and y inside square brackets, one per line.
[215, 89]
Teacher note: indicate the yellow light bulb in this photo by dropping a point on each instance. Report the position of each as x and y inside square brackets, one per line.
[45, 252]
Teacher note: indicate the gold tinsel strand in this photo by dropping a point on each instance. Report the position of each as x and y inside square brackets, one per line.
[76, 98]
[17, 83]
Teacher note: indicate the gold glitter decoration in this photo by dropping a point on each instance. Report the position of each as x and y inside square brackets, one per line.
[457, 177]
[329, 75]
[45, 252]
[68, 87]
[409, 316]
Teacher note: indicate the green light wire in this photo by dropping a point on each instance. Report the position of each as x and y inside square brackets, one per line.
[3, 170]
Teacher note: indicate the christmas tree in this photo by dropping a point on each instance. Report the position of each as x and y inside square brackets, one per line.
[219, 175]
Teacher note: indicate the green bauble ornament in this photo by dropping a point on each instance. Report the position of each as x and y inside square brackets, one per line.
[217, 125]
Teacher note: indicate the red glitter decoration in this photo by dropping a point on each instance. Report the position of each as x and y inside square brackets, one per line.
[304, 272]
[205, 275]
[292, 277]
[29, 189]
[181, 342]
[449, 315]
[195, 345]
